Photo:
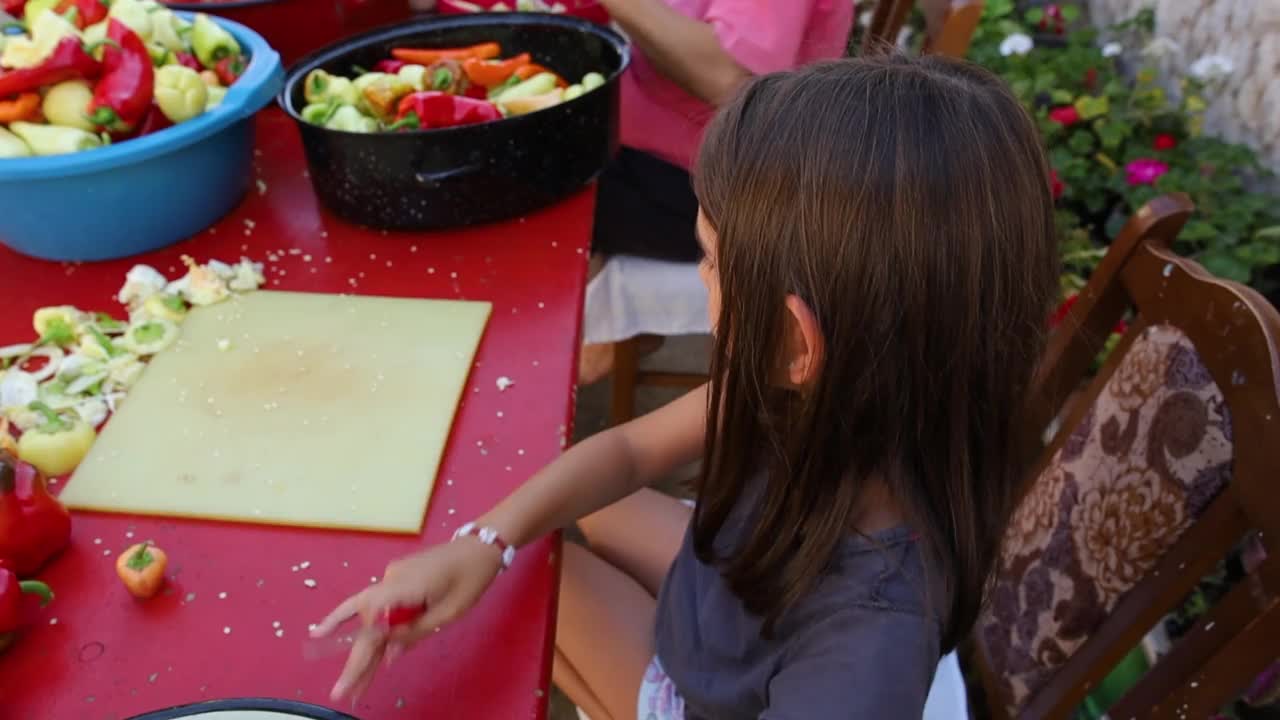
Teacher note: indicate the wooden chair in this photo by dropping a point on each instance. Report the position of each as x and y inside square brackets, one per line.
[950, 24]
[1166, 461]
[628, 376]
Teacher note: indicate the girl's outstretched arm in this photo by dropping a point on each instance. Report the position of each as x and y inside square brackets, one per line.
[603, 469]
[448, 579]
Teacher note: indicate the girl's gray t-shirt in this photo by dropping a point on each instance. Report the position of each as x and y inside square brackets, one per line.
[864, 643]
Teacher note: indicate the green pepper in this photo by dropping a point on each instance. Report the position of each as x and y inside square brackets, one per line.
[591, 81]
[54, 139]
[319, 113]
[573, 91]
[211, 42]
[12, 146]
[65, 102]
[180, 92]
[160, 55]
[539, 84]
[134, 14]
[164, 31]
[150, 336]
[351, 120]
[320, 86]
[215, 95]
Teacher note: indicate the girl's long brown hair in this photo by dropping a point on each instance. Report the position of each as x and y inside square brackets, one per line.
[906, 201]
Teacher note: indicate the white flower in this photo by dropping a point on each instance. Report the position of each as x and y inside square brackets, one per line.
[1112, 49]
[1016, 44]
[904, 36]
[1161, 47]
[864, 20]
[1212, 67]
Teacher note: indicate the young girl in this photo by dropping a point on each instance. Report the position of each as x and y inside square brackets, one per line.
[880, 258]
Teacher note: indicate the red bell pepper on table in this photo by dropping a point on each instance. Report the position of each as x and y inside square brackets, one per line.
[68, 62]
[34, 526]
[432, 109]
[123, 95]
[12, 605]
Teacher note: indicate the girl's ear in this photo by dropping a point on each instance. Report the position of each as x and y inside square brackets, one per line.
[804, 344]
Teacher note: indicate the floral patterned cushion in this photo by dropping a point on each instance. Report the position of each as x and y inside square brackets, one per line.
[1145, 462]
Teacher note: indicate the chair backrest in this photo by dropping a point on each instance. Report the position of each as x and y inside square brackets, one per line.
[949, 24]
[1164, 463]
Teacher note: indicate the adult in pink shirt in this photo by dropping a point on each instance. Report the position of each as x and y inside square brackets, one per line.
[689, 57]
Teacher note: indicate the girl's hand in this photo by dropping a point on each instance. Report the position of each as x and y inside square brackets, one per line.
[448, 579]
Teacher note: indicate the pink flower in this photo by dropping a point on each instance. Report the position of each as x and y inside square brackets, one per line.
[1065, 116]
[1144, 171]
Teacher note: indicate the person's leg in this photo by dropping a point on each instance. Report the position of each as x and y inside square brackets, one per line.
[604, 636]
[639, 535]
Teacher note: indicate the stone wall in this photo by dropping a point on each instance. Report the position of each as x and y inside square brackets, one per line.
[1246, 106]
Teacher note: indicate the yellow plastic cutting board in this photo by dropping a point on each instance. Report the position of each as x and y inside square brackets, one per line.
[324, 410]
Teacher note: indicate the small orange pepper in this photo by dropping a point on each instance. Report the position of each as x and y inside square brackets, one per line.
[524, 72]
[427, 56]
[491, 73]
[25, 106]
[141, 569]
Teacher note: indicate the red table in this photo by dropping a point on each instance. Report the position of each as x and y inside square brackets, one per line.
[98, 654]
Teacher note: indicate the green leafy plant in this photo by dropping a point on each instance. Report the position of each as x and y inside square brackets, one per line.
[1116, 138]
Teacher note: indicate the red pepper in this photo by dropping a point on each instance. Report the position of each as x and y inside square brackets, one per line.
[68, 61]
[390, 67]
[88, 12]
[13, 7]
[186, 59]
[122, 97]
[154, 121]
[12, 605]
[432, 109]
[34, 526]
[229, 69]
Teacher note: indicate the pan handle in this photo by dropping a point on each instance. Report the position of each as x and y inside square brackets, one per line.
[435, 178]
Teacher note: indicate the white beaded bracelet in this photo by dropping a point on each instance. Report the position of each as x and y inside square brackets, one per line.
[489, 536]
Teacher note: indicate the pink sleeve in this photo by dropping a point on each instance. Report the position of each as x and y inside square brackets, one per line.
[762, 35]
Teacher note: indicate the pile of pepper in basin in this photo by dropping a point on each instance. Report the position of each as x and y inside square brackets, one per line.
[427, 89]
[80, 74]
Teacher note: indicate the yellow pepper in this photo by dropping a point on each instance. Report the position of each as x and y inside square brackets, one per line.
[180, 92]
[12, 146]
[321, 87]
[56, 447]
[47, 30]
[215, 95]
[55, 139]
[164, 30]
[134, 14]
[211, 42]
[65, 103]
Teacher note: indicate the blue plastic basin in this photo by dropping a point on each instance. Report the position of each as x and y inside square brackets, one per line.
[146, 193]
